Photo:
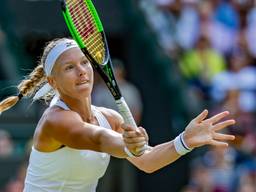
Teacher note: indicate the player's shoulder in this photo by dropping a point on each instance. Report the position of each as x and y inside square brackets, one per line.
[57, 116]
[56, 122]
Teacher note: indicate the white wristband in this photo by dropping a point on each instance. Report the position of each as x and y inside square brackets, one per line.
[126, 150]
[180, 145]
[184, 143]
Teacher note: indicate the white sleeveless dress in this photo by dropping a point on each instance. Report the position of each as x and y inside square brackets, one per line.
[67, 169]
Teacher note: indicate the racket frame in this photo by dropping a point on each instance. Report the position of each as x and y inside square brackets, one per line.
[105, 69]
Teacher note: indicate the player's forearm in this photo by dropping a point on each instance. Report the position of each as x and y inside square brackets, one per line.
[157, 157]
[97, 139]
[112, 143]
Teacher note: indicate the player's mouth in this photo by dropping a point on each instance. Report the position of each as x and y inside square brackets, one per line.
[83, 82]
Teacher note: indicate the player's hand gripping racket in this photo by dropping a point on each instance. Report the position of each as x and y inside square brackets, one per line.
[86, 28]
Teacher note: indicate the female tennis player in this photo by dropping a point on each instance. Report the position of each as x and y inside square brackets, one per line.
[73, 140]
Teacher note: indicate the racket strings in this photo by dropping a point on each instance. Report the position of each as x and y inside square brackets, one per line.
[82, 18]
[80, 21]
[87, 29]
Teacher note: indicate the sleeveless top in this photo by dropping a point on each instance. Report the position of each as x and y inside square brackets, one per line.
[67, 169]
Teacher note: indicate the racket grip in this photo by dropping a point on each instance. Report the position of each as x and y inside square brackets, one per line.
[125, 112]
[128, 118]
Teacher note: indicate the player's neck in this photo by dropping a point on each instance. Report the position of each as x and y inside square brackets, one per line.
[82, 107]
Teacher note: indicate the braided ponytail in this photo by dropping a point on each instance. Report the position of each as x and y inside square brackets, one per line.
[26, 88]
[30, 85]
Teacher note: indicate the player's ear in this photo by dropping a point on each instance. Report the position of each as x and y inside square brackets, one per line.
[51, 81]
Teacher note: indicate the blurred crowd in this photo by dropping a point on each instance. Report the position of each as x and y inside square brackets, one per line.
[213, 45]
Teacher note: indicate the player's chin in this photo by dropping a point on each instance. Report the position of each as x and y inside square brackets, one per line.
[84, 89]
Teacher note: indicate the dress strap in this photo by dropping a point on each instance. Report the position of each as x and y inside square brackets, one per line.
[61, 104]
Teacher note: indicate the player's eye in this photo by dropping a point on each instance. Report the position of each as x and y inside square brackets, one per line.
[85, 62]
[68, 67]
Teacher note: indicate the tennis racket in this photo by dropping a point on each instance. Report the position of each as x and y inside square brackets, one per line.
[86, 28]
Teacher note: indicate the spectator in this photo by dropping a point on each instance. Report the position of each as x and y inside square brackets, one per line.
[213, 172]
[6, 144]
[201, 64]
[17, 183]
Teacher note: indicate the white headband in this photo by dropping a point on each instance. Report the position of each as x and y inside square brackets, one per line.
[56, 51]
[50, 60]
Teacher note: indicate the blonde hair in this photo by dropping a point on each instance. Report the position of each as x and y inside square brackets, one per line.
[33, 81]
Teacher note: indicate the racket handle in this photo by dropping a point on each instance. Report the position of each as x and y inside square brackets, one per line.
[128, 118]
[125, 112]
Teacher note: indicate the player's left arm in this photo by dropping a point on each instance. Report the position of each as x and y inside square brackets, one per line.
[200, 131]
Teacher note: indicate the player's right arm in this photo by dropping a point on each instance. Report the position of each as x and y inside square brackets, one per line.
[68, 128]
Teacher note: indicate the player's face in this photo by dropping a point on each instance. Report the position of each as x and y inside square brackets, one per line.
[73, 74]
